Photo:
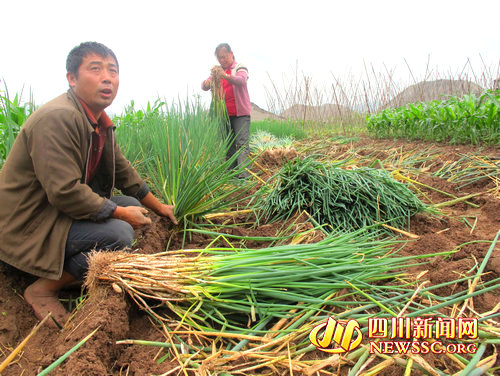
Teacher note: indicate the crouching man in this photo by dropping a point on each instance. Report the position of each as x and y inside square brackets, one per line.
[57, 184]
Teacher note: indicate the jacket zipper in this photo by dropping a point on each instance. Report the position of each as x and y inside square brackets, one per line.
[88, 159]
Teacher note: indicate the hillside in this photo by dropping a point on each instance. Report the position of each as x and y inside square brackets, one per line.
[324, 112]
[259, 114]
[427, 91]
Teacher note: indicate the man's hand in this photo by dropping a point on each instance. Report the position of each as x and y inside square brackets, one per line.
[206, 84]
[218, 72]
[167, 211]
[134, 215]
[158, 207]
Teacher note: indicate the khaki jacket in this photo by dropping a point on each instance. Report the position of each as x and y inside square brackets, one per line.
[43, 187]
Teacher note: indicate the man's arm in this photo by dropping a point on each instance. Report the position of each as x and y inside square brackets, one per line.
[239, 79]
[151, 202]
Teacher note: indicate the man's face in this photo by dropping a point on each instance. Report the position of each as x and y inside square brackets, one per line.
[97, 82]
[225, 58]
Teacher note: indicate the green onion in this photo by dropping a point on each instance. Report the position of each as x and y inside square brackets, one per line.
[346, 200]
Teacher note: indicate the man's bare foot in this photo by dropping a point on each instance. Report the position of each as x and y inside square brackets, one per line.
[42, 296]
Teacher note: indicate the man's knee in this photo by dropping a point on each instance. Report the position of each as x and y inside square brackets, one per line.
[115, 235]
[120, 234]
[125, 201]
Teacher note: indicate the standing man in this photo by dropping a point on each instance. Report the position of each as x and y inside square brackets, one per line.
[229, 82]
[56, 186]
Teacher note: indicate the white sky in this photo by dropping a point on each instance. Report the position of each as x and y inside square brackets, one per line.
[166, 48]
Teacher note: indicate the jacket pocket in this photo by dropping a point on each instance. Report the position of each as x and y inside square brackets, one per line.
[37, 219]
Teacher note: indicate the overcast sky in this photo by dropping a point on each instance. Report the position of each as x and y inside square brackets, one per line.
[166, 48]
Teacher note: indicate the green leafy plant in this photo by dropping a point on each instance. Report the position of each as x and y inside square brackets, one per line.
[133, 134]
[13, 114]
[279, 129]
[263, 140]
[470, 119]
[182, 150]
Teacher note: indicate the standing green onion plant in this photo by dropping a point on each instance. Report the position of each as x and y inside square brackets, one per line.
[181, 150]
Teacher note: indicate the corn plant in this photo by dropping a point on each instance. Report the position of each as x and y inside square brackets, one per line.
[13, 114]
[470, 119]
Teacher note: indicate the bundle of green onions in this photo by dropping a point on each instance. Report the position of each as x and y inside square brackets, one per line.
[267, 282]
[346, 200]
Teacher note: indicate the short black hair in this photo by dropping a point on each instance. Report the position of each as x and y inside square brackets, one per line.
[76, 55]
[222, 45]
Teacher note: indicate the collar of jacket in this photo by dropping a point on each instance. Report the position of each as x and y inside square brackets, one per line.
[80, 107]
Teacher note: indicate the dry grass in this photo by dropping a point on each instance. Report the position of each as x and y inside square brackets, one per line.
[342, 104]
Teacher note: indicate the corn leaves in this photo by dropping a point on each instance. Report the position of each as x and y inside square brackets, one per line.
[470, 119]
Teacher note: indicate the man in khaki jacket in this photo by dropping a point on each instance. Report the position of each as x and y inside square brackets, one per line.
[56, 185]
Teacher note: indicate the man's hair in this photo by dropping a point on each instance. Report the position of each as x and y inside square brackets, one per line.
[222, 45]
[77, 54]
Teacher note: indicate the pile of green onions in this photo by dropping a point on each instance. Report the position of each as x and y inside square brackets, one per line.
[346, 200]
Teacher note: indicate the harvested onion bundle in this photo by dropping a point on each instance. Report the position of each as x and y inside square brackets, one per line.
[266, 282]
[346, 200]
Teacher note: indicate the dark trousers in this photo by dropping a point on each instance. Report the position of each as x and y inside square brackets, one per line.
[86, 236]
[239, 133]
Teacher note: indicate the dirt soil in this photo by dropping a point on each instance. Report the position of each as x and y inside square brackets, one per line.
[119, 319]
